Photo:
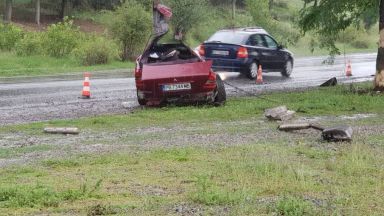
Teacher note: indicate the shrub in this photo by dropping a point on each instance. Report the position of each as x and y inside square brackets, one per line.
[9, 36]
[61, 38]
[96, 50]
[291, 206]
[31, 44]
[131, 27]
[360, 44]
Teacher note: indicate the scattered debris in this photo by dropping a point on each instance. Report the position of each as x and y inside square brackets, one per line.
[53, 130]
[335, 134]
[331, 82]
[280, 113]
[126, 105]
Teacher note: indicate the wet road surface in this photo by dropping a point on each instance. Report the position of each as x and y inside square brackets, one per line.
[24, 101]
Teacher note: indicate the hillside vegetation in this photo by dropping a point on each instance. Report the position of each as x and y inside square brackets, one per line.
[90, 34]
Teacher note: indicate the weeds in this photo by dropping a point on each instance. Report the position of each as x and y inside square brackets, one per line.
[208, 193]
[43, 196]
[293, 206]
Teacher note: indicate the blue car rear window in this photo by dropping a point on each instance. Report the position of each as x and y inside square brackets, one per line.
[230, 37]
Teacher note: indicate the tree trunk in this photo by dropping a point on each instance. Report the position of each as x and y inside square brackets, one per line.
[233, 10]
[65, 8]
[271, 2]
[38, 12]
[8, 11]
[379, 79]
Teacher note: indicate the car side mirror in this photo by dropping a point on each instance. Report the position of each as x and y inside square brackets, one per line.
[280, 47]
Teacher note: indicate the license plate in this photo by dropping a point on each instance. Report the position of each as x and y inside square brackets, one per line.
[220, 52]
[177, 87]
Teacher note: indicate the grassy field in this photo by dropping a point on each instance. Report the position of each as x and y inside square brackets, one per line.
[201, 160]
[12, 65]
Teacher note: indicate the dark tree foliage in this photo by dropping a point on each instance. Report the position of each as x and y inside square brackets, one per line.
[328, 18]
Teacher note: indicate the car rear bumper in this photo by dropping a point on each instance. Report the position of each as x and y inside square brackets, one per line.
[181, 98]
[230, 65]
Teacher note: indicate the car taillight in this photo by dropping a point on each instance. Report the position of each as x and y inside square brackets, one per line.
[210, 84]
[138, 75]
[202, 50]
[242, 52]
[138, 72]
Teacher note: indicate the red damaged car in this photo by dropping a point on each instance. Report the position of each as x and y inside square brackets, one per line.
[174, 73]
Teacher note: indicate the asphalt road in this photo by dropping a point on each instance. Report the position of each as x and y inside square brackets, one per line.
[25, 100]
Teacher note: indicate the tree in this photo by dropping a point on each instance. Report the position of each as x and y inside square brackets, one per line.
[8, 11]
[187, 14]
[262, 16]
[38, 13]
[327, 18]
[130, 26]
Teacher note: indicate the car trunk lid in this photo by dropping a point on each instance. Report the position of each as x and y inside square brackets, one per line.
[166, 79]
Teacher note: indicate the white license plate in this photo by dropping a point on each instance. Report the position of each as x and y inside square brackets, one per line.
[177, 87]
[220, 52]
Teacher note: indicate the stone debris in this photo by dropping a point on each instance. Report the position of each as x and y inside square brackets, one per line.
[280, 113]
[52, 130]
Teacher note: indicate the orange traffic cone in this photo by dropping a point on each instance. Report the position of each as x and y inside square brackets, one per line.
[259, 79]
[348, 71]
[86, 86]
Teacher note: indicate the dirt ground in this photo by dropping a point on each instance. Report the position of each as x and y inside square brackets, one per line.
[29, 148]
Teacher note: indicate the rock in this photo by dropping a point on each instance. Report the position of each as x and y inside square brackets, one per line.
[126, 105]
[280, 113]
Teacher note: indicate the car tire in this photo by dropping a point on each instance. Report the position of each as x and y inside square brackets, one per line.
[142, 102]
[221, 94]
[251, 71]
[288, 68]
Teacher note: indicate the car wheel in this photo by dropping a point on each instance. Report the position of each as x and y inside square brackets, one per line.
[252, 71]
[288, 68]
[221, 95]
[142, 102]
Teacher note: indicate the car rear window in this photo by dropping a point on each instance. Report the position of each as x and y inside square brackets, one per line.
[230, 37]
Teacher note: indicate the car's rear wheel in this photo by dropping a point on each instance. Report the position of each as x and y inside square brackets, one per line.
[288, 68]
[221, 95]
[251, 71]
[142, 102]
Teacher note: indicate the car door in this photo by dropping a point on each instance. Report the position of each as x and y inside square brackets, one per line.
[273, 54]
[259, 50]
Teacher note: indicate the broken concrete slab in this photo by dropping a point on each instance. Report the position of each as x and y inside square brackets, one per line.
[330, 82]
[334, 134]
[340, 133]
[280, 113]
[53, 130]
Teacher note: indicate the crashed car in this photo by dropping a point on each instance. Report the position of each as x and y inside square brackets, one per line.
[170, 72]
[174, 73]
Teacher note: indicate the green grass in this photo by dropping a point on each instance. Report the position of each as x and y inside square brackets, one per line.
[322, 101]
[12, 65]
[16, 151]
[265, 173]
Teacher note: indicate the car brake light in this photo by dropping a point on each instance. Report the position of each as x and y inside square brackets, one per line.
[138, 75]
[210, 84]
[138, 72]
[242, 52]
[202, 50]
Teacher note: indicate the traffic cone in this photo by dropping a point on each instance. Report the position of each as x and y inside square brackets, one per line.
[348, 71]
[259, 79]
[86, 86]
